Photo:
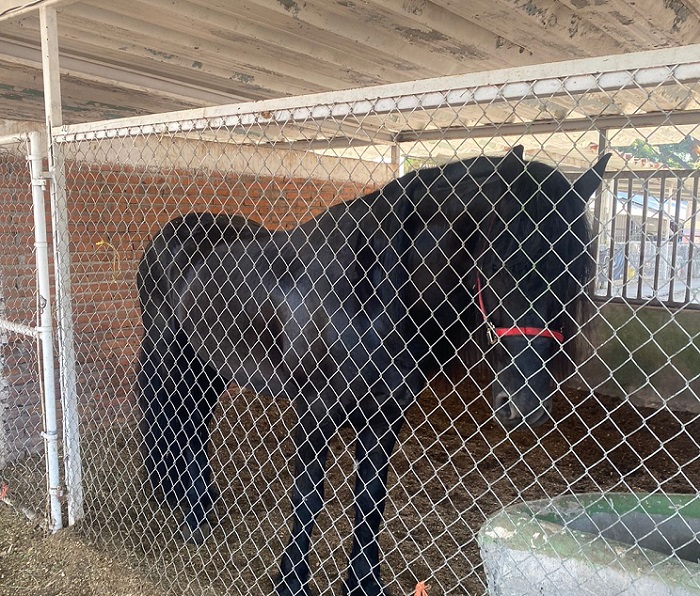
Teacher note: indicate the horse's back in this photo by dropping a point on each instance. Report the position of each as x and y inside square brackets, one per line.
[277, 313]
[184, 237]
[226, 307]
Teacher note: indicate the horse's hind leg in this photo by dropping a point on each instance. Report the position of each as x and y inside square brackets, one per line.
[177, 394]
[177, 397]
[195, 415]
[311, 440]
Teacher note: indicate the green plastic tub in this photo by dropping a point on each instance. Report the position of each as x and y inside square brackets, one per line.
[599, 543]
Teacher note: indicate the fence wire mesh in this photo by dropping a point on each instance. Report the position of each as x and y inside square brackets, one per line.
[627, 419]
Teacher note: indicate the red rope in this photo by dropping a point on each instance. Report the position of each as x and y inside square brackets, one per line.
[529, 332]
[511, 331]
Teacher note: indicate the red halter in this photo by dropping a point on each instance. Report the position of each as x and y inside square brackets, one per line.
[495, 333]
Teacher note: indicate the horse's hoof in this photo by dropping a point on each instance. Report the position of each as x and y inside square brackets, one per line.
[196, 536]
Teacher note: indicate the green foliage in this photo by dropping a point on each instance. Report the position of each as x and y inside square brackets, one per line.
[682, 155]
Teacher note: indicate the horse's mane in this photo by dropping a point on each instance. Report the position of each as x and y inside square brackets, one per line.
[536, 221]
[550, 225]
[394, 208]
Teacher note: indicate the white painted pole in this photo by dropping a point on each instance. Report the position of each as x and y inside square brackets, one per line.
[44, 331]
[61, 238]
[398, 159]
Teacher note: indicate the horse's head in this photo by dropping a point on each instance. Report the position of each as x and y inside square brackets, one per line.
[533, 267]
[508, 236]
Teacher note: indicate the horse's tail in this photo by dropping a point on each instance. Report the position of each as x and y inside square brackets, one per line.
[177, 392]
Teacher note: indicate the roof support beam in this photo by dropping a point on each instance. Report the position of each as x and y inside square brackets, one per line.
[574, 77]
[61, 251]
[10, 9]
[655, 119]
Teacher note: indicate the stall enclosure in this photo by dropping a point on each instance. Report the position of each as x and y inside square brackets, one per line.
[626, 419]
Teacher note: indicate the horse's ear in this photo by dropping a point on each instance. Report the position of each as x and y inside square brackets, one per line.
[518, 151]
[512, 165]
[587, 184]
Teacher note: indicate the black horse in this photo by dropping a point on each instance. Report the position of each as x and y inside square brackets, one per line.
[349, 315]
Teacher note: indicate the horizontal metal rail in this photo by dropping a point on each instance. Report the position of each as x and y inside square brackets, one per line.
[19, 328]
[13, 139]
[19, 137]
[488, 130]
[569, 77]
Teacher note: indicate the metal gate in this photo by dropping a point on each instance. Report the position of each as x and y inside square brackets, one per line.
[29, 431]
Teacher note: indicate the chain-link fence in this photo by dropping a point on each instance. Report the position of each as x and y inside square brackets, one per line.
[271, 303]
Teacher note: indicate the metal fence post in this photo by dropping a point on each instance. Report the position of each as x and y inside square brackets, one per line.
[44, 331]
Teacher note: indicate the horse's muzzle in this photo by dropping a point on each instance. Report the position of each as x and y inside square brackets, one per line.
[516, 412]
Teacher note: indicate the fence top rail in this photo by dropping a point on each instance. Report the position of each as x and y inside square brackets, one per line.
[13, 139]
[573, 76]
[18, 138]
[660, 173]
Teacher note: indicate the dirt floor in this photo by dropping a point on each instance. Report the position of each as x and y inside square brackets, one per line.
[454, 467]
[34, 564]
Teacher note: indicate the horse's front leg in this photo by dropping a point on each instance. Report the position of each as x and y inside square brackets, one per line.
[311, 441]
[373, 449]
[159, 396]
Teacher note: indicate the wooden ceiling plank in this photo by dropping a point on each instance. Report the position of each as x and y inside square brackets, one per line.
[222, 26]
[244, 81]
[214, 41]
[546, 28]
[11, 9]
[285, 27]
[436, 30]
[693, 5]
[466, 40]
[490, 15]
[664, 24]
[142, 31]
[113, 56]
[135, 79]
[369, 35]
[620, 19]
[552, 19]
[283, 47]
[163, 45]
